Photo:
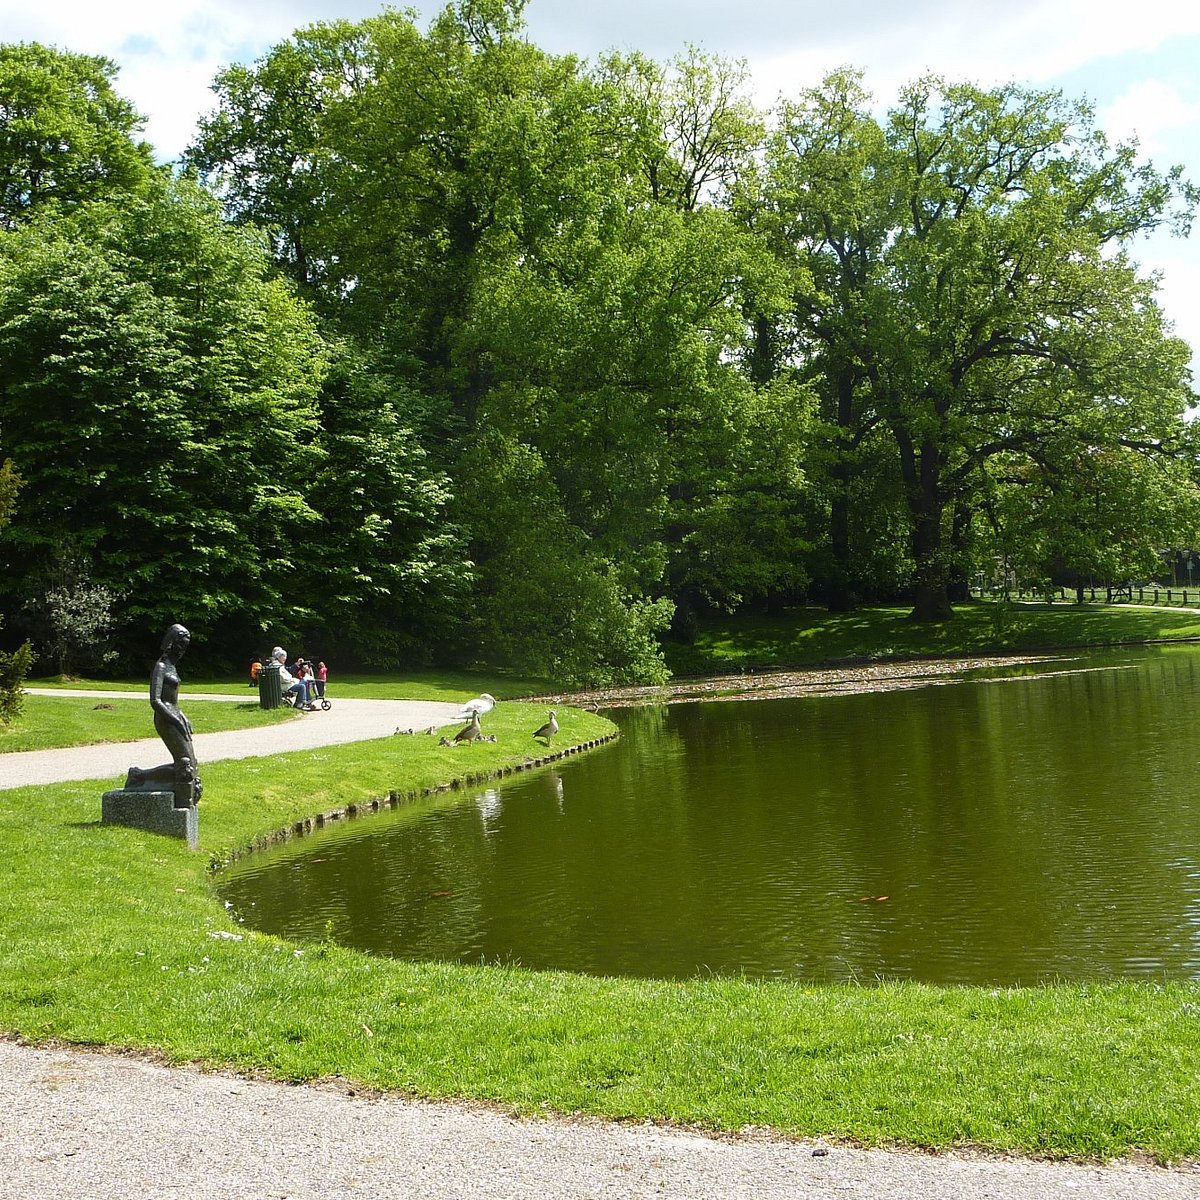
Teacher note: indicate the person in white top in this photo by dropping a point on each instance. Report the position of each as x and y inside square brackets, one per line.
[289, 683]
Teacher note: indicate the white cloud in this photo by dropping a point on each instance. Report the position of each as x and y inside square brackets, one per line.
[167, 53]
[170, 95]
[985, 43]
[1179, 292]
[167, 48]
[1145, 112]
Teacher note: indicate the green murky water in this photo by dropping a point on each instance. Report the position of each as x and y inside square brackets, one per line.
[1004, 831]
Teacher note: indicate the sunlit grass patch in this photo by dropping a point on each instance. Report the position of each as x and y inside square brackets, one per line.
[47, 722]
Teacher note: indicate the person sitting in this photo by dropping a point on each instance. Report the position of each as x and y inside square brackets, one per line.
[304, 672]
[290, 685]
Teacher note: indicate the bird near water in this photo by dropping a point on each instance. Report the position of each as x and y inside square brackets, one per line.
[480, 705]
[548, 730]
[470, 733]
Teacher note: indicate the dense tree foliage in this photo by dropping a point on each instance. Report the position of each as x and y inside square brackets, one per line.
[492, 354]
[159, 393]
[14, 666]
[66, 135]
[972, 298]
[186, 445]
[383, 572]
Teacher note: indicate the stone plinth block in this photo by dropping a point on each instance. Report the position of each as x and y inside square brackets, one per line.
[153, 811]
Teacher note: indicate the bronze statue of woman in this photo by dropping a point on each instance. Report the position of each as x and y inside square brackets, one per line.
[180, 774]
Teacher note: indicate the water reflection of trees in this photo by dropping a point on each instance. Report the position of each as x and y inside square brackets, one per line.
[1016, 828]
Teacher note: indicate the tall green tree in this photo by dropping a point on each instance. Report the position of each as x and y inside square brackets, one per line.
[980, 298]
[1018, 309]
[266, 148]
[385, 157]
[493, 225]
[157, 389]
[66, 135]
[824, 207]
[612, 340]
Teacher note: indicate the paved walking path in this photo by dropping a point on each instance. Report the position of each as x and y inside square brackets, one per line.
[79, 1125]
[346, 721]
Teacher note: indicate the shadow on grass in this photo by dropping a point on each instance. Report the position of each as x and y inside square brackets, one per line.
[811, 636]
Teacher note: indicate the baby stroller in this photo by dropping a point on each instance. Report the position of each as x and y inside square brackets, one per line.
[319, 677]
[316, 690]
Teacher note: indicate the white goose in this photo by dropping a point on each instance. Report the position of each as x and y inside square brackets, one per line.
[477, 707]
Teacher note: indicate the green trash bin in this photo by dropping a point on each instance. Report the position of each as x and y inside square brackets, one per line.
[270, 689]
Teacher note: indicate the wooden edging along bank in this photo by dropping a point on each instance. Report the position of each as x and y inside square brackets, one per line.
[394, 799]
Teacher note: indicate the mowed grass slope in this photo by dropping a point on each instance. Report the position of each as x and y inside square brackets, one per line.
[810, 636]
[113, 937]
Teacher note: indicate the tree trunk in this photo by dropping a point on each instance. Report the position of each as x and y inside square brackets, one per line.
[931, 595]
[959, 582]
[931, 602]
[763, 363]
[841, 595]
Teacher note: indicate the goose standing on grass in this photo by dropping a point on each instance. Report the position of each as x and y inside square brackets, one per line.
[548, 730]
[480, 705]
[470, 733]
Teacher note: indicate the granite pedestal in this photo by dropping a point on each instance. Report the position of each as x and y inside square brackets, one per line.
[153, 811]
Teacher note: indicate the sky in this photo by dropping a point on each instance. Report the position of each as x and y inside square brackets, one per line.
[1138, 64]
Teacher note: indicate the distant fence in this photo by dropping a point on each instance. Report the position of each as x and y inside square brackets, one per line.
[1117, 593]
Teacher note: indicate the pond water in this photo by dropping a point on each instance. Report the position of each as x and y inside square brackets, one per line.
[1026, 826]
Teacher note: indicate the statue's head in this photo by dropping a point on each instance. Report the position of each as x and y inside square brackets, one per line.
[176, 638]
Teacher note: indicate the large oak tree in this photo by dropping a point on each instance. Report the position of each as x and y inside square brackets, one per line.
[976, 295]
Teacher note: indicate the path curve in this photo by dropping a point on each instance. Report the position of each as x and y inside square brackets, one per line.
[346, 721]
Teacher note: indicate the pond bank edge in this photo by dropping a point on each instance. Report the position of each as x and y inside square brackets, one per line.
[394, 799]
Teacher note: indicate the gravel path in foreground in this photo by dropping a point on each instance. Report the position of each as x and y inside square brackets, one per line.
[98, 1127]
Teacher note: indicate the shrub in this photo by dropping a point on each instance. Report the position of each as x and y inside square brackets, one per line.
[14, 668]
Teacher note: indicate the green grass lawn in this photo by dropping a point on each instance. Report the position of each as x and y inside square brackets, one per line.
[47, 722]
[114, 937]
[808, 636]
